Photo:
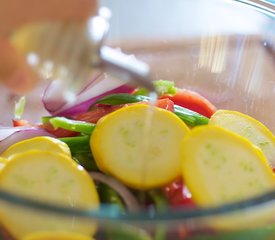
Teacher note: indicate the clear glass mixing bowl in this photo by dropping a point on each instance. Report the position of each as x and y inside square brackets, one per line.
[225, 50]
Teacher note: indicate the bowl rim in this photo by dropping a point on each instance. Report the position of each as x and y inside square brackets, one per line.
[263, 6]
[111, 213]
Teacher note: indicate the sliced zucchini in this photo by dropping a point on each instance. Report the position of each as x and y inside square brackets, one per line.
[3, 162]
[37, 143]
[139, 145]
[249, 128]
[48, 177]
[219, 167]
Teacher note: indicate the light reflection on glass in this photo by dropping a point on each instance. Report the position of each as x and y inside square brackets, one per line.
[212, 55]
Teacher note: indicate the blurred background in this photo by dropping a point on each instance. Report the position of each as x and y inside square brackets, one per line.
[223, 51]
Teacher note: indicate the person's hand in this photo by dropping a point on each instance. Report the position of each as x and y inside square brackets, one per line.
[14, 71]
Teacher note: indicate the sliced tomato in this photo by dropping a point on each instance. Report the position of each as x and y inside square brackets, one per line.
[165, 103]
[20, 122]
[193, 101]
[178, 195]
[94, 115]
[101, 110]
[59, 132]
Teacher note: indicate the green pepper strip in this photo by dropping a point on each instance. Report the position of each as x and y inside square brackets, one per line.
[160, 205]
[72, 125]
[77, 144]
[109, 195]
[86, 160]
[46, 119]
[81, 152]
[159, 200]
[122, 98]
[190, 117]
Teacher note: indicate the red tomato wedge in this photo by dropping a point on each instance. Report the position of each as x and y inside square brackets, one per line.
[166, 104]
[94, 115]
[59, 132]
[193, 101]
[178, 195]
[20, 123]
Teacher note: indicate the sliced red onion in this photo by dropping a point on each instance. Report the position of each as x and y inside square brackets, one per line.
[101, 85]
[84, 106]
[12, 135]
[128, 198]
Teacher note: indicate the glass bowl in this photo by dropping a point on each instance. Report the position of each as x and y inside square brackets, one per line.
[224, 50]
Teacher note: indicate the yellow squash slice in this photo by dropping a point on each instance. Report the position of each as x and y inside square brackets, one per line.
[49, 177]
[56, 236]
[37, 143]
[249, 128]
[139, 145]
[219, 167]
[3, 162]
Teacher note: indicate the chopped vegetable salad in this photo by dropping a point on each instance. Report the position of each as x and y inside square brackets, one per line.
[134, 152]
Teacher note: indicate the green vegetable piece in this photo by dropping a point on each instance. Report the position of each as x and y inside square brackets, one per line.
[72, 125]
[19, 108]
[109, 195]
[77, 144]
[190, 117]
[161, 87]
[46, 119]
[122, 98]
[161, 205]
[141, 91]
[165, 87]
[86, 160]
